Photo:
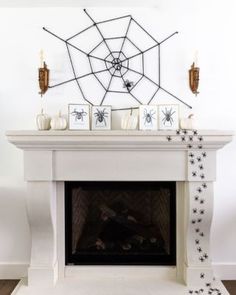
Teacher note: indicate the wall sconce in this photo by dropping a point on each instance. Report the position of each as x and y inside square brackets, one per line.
[194, 79]
[43, 79]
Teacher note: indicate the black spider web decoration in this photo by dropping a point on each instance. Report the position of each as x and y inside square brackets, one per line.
[109, 66]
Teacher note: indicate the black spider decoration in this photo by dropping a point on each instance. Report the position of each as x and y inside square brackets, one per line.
[101, 116]
[195, 132]
[200, 138]
[189, 146]
[79, 115]
[196, 198]
[183, 138]
[194, 210]
[204, 185]
[193, 221]
[192, 162]
[199, 220]
[190, 138]
[199, 159]
[178, 132]
[202, 276]
[202, 176]
[202, 211]
[199, 190]
[194, 173]
[185, 131]
[169, 138]
[148, 117]
[168, 116]
[197, 242]
[199, 249]
[202, 201]
[204, 154]
[191, 155]
[201, 234]
[197, 230]
[200, 146]
[128, 84]
[201, 167]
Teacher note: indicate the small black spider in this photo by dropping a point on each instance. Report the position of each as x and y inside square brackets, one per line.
[204, 154]
[208, 285]
[197, 230]
[195, 132]
[191, 155]
[202, 211]
[178, 132]
[192, 162]
[193, 221]
[202, 276]
[128, 84]
[185, 132]
[199, 220]
[200, 138]
[202, 176]
[205, 256]
[194, 173]
[169, 138]
[201, 234]
[201, 259]
[202, 201]
[189, 146]
[190, 138]
[204, 185]
[199, 249]
[199, 159]
[183, 138]
[201, 167]
[194, 210]
[190, 292]
[197, 242]
[200, 146]
[199, 189]
[196, 198]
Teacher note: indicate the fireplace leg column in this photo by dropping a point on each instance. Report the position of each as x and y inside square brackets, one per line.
[41, 205]
[199, 211]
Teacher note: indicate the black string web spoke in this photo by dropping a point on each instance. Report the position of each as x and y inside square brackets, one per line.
[116, 57]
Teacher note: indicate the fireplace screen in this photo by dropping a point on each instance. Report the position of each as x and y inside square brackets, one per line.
[120, 223]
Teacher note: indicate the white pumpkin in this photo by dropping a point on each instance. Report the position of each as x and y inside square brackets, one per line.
[129, 121]
[187, 123]
[58, 122]
[43, 121]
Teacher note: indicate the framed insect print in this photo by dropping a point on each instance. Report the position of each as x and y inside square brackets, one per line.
[101, 117]
[79, 116]
[168, 117]
[148, 117]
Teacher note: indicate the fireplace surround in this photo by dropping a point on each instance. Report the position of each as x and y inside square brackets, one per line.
[51, 159]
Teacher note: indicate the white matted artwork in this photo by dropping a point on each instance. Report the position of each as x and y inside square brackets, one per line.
[168, 117]
[79, 116]
[148, 117]
[101, 117]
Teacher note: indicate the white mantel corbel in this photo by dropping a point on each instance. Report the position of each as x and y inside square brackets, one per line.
[53, 157]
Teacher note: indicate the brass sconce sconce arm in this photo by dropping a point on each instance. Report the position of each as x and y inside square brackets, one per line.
[194, 79]
[43, 79]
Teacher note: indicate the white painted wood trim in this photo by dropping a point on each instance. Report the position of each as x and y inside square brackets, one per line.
[12, 271]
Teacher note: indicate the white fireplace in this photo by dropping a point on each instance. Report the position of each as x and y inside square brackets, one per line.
[53, 157]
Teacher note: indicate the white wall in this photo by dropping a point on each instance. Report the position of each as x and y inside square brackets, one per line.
[206, 26]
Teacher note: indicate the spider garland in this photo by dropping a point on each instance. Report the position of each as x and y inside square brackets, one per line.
[116, 63]
[198, 197]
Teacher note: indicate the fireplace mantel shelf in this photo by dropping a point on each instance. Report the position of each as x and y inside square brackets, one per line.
[115, 139]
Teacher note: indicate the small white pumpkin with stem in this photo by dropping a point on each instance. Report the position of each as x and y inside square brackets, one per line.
[43, 121]
[58, 122]
[188, 123]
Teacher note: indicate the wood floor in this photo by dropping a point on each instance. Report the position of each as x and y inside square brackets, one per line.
[7, 286]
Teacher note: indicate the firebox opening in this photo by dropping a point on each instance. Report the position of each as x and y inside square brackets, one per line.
[114, 223]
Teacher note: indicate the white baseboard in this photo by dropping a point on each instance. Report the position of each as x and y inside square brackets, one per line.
[225, 271]
[11, 271]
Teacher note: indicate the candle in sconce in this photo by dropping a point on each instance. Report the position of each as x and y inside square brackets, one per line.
[41, 58]
[196, 58]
